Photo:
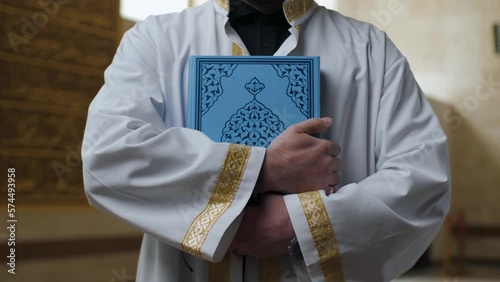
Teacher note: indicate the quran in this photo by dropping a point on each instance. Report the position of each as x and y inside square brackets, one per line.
[250, 100]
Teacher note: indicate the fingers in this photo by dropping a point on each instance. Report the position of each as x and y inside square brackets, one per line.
[332, 181]
[327, 156]
[336, 165]
[329, 190]
[312, 126]
[335, 149]
[297, 162]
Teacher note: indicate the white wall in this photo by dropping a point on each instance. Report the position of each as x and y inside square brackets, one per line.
[450, 46]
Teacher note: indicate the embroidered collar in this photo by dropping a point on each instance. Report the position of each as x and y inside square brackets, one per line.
[296, 11]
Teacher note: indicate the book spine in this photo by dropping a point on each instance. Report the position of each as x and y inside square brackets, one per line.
[317, 89]
[192, 92]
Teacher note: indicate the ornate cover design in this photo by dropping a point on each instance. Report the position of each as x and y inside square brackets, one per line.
[251, 100]
[211, 87]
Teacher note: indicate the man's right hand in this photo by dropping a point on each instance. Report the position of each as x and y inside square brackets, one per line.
[297, 162]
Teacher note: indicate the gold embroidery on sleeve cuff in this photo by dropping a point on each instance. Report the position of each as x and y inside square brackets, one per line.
[323, 235]
[221, 198]
[269, 270]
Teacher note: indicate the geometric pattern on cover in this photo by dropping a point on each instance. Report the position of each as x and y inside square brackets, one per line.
[297, 87]
[253, 124]
[211, 86]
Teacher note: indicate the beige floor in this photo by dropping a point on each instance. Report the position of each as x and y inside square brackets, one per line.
[121, 268]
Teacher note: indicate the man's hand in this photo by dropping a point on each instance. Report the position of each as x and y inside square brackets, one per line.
[297, 162]
[266, 230]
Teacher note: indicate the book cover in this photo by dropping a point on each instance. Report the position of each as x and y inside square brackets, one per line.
[250, 100]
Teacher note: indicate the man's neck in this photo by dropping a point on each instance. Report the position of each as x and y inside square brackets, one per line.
[265, 6]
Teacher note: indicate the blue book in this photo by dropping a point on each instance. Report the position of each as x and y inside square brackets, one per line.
[250, 100]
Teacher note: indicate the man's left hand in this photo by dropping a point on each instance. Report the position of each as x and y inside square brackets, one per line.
[265, 230]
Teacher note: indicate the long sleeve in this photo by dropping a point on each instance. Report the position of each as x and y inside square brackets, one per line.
[376, 229]
[168, 181]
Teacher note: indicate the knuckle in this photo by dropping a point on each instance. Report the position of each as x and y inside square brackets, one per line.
[324, 145]
[292, 127]
[337, 149]
[324, 165]
[334, 148]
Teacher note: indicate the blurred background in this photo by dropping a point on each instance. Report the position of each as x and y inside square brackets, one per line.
[52, 57]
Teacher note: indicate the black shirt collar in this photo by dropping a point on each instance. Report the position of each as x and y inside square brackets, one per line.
[240, 10]
[261, 33]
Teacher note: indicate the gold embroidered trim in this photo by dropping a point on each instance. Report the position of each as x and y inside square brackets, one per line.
[323, 235]
[221, 198]
[224, 4]
[220, 272]
[295, 9]
[269, 270]
[238, 51]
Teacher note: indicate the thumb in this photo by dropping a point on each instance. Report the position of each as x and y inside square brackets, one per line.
[313, 126]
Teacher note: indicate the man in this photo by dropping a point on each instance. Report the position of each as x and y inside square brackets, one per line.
[191, 195]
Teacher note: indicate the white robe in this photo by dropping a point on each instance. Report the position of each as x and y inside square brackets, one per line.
[187, 193]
